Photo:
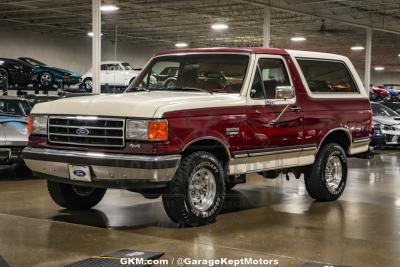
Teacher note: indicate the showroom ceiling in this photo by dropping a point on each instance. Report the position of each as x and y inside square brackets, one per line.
[163, 23]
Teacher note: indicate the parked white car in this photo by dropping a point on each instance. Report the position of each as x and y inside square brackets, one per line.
[113, 73]
[388, 121]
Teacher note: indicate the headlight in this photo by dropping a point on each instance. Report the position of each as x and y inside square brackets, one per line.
[385, 127]
[147, 130]
[37, 124]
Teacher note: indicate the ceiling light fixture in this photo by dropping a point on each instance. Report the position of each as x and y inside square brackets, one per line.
[357, 48]
[109, 8]
[90, 34]
[219, 26]
[298, 39]
[379, 68]
[181, 45]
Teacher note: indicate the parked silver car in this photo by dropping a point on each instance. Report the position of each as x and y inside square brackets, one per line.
[14, 114]
[388, 121]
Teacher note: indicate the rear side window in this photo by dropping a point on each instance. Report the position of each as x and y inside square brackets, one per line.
[327, 76]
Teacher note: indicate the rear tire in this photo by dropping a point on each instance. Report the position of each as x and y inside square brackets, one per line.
[75, 197]
[326, 179]
[46, 79]
[196, 194]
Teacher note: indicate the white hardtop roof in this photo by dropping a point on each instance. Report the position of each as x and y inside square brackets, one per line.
[320, 55]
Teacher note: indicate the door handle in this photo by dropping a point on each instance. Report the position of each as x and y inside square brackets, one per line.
[296, 109]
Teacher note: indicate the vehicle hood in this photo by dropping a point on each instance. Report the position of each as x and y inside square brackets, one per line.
[387, 120]
[13, 133]
[7, 119]
[58, 70]
[138, 104]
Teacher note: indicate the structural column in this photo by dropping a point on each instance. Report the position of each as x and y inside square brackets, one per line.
[96, 45]
[368, 50]
[267, 27]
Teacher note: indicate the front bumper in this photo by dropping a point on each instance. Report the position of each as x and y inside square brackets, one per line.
[69, 81]
[392, 137]
[107, 169]
[5, 154]
[12, 154]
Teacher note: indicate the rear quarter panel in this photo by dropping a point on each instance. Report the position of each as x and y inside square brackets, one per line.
[322, 115]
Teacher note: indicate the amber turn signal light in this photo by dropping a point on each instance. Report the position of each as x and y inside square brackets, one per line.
[29, 127]
[158, 131]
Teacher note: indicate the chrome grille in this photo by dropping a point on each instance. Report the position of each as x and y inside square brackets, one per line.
[86, 131]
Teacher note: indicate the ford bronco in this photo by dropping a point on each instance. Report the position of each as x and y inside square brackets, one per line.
[231, 112]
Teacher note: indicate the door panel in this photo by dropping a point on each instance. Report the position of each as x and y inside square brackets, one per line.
[275, 126]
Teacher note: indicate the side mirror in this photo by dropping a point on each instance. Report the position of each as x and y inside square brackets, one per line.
[284, 92]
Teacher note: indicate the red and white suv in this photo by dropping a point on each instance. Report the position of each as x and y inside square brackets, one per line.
[231, 112]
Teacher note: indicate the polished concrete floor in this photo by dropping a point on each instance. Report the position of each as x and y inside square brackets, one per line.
[270, 219]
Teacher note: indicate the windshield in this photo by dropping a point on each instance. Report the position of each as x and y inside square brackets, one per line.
[34, 62]
[11, 107]
[381, 110]
[127, 66]
[393, 105]
[211, 73]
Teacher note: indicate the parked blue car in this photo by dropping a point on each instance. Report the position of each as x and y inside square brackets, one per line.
[48, 76]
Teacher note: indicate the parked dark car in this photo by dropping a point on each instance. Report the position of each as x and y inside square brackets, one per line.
[15, 72]
[377, 137]
[48, 76]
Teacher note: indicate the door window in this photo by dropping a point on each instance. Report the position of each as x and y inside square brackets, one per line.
[271, 73]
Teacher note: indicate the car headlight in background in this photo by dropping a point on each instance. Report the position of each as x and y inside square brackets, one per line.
[385, 127]
[147, 130]
[37, 124]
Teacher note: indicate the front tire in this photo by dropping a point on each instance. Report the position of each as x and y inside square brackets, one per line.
[4, 82]
[196, 194]
[326, 179]
[75, 197]
[88, 85]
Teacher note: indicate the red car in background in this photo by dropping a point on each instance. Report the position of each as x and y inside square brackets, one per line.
[379, 93]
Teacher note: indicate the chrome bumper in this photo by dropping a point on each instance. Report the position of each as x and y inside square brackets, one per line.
[105, 167]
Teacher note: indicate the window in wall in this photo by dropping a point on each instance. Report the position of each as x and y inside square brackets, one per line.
[327, 76]
[271, 73]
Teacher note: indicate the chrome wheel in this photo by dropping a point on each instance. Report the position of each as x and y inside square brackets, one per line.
[202, 189]
[83, 191]
[46, 79]
[88, 84]
[333, 173]
[170, 85]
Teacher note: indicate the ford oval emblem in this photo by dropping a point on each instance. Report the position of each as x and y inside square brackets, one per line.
[82, 131]
[79, 173]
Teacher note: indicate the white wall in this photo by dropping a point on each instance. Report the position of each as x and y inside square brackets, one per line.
[69, 53]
